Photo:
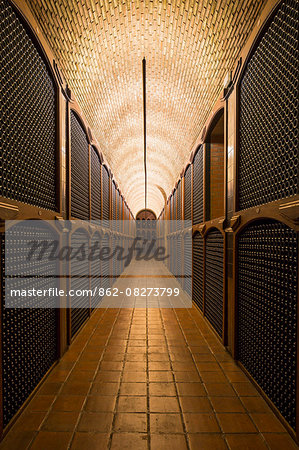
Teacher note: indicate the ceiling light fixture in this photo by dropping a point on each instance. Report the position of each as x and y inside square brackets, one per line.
[144, 129]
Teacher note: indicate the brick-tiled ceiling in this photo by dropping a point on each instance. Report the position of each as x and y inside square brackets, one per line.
[189, 46]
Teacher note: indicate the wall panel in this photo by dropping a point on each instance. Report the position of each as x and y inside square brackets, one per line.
[267, 310]
[95, 175]
[79, 170]
[268, 136]
[214, 280]
[198, 206]
[28, 117]
[198, 286]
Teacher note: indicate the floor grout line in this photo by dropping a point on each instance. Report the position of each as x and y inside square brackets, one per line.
[69, 374]
[120, 382]
[175, 385]
[91, 384]
[186, 340]
[182, 331]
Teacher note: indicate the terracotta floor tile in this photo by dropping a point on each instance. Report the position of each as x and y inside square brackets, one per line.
[179, 366]
[90, 441]
[155, 342]
[136, 349]
[17, 440]
[58, 375]
[175, 336]
[181, 357]
[245, 389]
[63, 365]
[166, 423]
[201, 423]
[102, 388]
[222, 356]
[113, 357]
[49, 440]
[282, 441]
[90, 365]
[208, 367]
[220, 390]
[133, 388]
[267, 423]
[246, 442]
[68, 403]
[132, 404]
[41, 403]
[134, 377]
[87, 357]
[158, 351]
[107, 376]
[158, 357]
[164, 404]
[230, 366]
[75, 388]
[111, 351]
[132, 366]
[191, 389]
[60, 421]
[159, 365]
[200, 349]
[162, 389]
[195, 339]
[255, 404]
[111, 365]
[100, 403]
[160, 376]
[129, 441]
[137, 343]
[213, 377]
[115, 349]
[217, 348]
[204, 357]
[195, 404]
[207, 442]
[95, 421]
[70, 356]
[49, 388]
[79, 375]
[134, 335]
[130, 422]
[236, 377]
[227, 404]
[97, 341]
[131, 357]
[29, 421]
[96, 346]
[115, 341]
[236, 423]
[206, 381]
[168, 442]
[187, 377]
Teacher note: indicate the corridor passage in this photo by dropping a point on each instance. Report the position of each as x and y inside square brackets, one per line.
[149, 225]
[147, 378]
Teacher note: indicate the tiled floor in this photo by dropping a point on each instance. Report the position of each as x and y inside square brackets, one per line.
[147, 379]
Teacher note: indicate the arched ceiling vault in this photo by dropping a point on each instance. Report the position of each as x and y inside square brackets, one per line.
[189, 47]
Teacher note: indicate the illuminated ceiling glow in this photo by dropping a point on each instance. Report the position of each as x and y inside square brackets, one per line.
[189, 47]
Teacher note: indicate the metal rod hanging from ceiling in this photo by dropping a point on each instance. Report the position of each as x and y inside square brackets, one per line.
[144, 129]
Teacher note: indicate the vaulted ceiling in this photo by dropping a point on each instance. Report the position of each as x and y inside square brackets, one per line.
[189, 47]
